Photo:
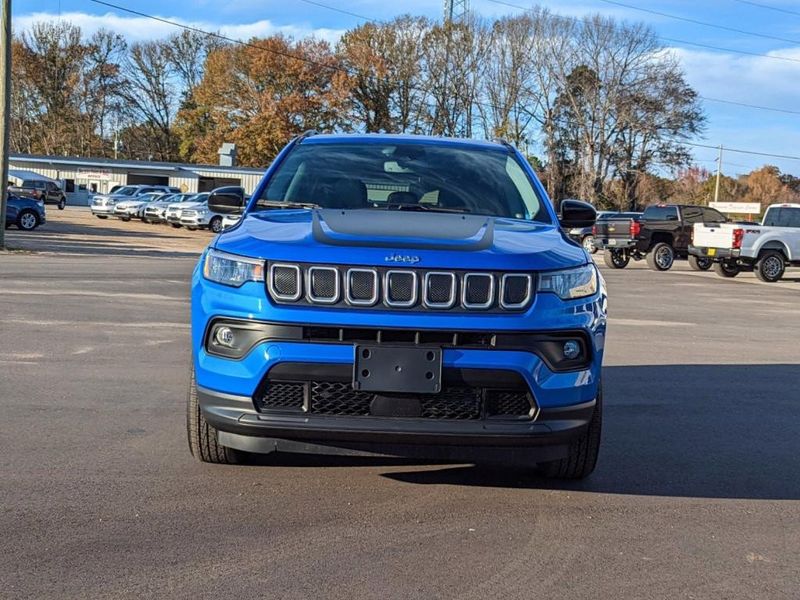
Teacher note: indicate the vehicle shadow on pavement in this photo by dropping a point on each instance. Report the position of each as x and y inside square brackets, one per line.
[715, 431]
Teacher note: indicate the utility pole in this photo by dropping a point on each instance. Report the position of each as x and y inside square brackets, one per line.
[5, 108]
[719, 170]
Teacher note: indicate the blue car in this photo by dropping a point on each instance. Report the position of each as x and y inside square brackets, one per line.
[26, 213]
[401, 296]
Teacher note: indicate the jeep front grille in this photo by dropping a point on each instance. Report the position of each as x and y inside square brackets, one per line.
[410, 289]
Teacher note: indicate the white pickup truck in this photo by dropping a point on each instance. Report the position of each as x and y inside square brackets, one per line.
[766, 248]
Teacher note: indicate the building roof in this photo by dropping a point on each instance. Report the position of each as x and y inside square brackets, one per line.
[111, 163]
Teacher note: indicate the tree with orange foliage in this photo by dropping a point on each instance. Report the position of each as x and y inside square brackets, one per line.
[260, 95]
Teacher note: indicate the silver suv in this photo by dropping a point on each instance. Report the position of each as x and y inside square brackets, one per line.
[103, 205]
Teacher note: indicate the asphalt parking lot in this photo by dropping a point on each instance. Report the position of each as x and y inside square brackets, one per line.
[697, 492]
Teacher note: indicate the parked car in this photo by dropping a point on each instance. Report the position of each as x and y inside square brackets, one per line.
[197, 215]
[766, 249]
[24, 212]
[229, 221]
[103, 205]
[660, 236]
[617, 235]
[155, 212]
[174, 211]
[450, 317]
[585, 235]
[40, 189]
[128, 209]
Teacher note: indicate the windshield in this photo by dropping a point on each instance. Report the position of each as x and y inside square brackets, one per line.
[125, 191]
[404, 177]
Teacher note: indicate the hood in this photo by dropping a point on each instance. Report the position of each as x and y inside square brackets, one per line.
[373, 237]
[189, 205]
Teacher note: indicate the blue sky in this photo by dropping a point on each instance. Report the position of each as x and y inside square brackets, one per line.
[748, 79]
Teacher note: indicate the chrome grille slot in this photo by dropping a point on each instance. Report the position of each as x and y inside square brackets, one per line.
[477, 290]
[439, 289]
[323, 285]
[361, 287]
[400, 289]
[285, 282]
[515, 290]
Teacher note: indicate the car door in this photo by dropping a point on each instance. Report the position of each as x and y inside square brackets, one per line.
[690, 215]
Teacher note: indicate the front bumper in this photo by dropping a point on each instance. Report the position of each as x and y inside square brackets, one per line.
[715, 253]
[194, 221]
[107, 210]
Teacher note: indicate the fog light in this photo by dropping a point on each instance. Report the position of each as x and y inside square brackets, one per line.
[224, 337]
[572, 349]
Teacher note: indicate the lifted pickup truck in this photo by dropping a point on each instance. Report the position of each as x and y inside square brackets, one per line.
[39, 189]
[616, 234]
[766, 249]
[660, 236]
[403, 296]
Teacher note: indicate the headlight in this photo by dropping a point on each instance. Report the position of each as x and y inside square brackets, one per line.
[570, 283]
[232, 270]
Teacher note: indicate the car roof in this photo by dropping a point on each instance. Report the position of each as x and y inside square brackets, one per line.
[383, 138]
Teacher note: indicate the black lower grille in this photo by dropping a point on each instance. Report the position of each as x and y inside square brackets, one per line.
[338, 398]
[281, 394]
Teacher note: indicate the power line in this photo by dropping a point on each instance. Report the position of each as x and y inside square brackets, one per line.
[703, 23]
[679, 41]
[746, 105]
[221, 37]
[740, 151]
[769, 7]
[340, 10]
[342, 69]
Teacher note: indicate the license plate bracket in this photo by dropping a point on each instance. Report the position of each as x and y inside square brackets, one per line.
[397, 369]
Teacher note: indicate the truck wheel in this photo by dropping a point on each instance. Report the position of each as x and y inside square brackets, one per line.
[583, 451]
[699, 264]
[215, 225]
[203, 437]
[661, 257]
[770, 266]
[616, 259]
[27, 220]
[726, 269]
[62, 203]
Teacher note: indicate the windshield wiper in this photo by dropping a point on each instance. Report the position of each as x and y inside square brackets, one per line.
[424, 208]
[287, 205]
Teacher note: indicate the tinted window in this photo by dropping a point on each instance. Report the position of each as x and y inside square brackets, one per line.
[693, 214]
[410, 176]
[660, 213]
[713, 216]
[785, 216]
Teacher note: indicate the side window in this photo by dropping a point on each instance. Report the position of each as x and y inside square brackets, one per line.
[692, 214]
[713, 216]
[660, 213]
[783, 217]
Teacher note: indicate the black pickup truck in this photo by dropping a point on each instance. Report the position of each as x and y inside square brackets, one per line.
[661, 235]
[39, 189]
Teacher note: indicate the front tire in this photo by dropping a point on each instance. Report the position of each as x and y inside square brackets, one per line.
[616, 259]
[588, 244]
[176, 225]
[101, 216]
[583, 451]
[699, 264]
[661, 257]
[202, 437]
[62, 203]
[27, 220]
[727, 269]
[215, 224]
[770, 266]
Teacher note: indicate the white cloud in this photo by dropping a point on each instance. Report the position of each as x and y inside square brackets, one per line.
[140, 28]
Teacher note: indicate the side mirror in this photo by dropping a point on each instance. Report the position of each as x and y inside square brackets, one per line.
[226, 200]
[576, 213]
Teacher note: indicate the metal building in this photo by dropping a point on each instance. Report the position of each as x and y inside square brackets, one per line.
[80, 177]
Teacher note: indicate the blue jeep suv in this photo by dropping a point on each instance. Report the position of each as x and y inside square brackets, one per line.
[403, 296]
